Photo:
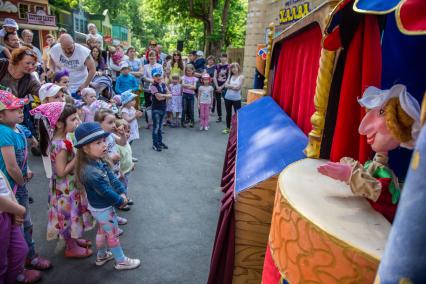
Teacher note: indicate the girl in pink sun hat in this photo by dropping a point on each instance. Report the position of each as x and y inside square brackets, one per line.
[68, 216]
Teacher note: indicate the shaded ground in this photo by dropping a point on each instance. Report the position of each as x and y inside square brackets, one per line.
[173, 222]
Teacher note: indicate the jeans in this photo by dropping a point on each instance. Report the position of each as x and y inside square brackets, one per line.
[22, 198]
[107, 235]
[157, 126]
[218, 102]
[228, 106]
[187, 108]
[13, 250]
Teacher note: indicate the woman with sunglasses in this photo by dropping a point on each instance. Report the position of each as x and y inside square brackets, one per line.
[177, 66]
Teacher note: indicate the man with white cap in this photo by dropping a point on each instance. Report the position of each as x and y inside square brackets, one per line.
[125, 81]
[9, 26]
[76, 59]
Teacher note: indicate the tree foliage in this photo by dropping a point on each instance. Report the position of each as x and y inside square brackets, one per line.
[210, 25]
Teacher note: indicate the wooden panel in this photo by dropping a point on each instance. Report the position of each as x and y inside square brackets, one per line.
[253, 211]
[236, 55]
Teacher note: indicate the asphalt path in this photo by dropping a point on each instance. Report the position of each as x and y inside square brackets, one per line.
[173, 222]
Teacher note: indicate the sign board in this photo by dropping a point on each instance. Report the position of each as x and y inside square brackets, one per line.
[42, 20]
[294, 10]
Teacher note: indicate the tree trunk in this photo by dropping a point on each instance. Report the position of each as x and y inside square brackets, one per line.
[224, 22]
[209, 29]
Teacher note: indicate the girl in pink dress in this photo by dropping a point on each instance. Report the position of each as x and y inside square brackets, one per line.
[68, 216]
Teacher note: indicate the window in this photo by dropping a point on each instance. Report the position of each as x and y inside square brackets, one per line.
[23, 10]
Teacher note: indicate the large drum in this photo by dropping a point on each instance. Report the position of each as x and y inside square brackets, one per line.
[321, 232]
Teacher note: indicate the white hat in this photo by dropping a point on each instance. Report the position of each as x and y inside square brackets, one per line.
[48, 90]
[124, 64]
[11, 23]
[200, 53]
[375, 98]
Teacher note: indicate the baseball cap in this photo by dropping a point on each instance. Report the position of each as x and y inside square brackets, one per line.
[9, 101]
[123, 65]
[152, 42]
[48, 90]
[156, 71]
[11, 23]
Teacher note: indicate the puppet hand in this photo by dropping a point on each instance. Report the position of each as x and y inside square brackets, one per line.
[337, 171]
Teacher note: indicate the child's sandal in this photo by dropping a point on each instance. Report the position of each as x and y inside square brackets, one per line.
[73, 254]
[29, 276]
[84, 243]
[38, 263]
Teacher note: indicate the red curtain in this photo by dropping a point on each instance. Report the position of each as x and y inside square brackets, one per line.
[296, 75]
[362, 69]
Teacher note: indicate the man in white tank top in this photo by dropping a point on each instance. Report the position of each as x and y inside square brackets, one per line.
[76, 59]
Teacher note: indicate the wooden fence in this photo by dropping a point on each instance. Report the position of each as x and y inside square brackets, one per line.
[236, 55]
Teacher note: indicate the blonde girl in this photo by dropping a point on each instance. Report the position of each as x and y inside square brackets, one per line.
[233, 93]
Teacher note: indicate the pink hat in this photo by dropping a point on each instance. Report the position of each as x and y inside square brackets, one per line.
[50, 111]
[9, 101]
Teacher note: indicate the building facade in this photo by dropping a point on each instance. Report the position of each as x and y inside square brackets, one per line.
[34, 15]
[282, 13]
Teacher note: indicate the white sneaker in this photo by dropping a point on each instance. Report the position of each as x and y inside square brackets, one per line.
[121, 221]
[127, 264]
[201, 128]
[206, 128]
[102, 260]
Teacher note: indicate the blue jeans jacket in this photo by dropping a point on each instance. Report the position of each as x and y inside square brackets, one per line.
[102, 186]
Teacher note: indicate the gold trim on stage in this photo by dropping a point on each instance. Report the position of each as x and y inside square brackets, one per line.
[401, 26]
[371, 12]
[324, 79]
[268, 56]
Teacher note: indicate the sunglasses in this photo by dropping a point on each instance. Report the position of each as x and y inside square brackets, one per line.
[30, 53]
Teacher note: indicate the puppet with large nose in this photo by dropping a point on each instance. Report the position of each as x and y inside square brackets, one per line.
[392, 120]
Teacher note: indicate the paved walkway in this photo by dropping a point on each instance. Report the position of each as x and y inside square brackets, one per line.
[173, 222]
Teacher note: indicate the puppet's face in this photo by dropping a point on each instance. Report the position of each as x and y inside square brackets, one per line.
[373, 125]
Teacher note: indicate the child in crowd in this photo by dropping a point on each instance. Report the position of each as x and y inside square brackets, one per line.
[233, 93]
[221, 74]
[125, 81]
[107, 120]
[13, 163]
[130, 114]
[13, 248]
[91, 104]
[205, 100]
[174, 105]
[189, 85]
[126, 160]
[68, 216]
[159, 95]
[104, 191]
[147, 81]
[211, 65]
[62, 79]
[50, 93]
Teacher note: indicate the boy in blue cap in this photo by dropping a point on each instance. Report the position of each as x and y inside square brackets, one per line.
[160, 93]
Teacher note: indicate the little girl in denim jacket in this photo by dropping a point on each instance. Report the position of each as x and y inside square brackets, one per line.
[104, 191]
